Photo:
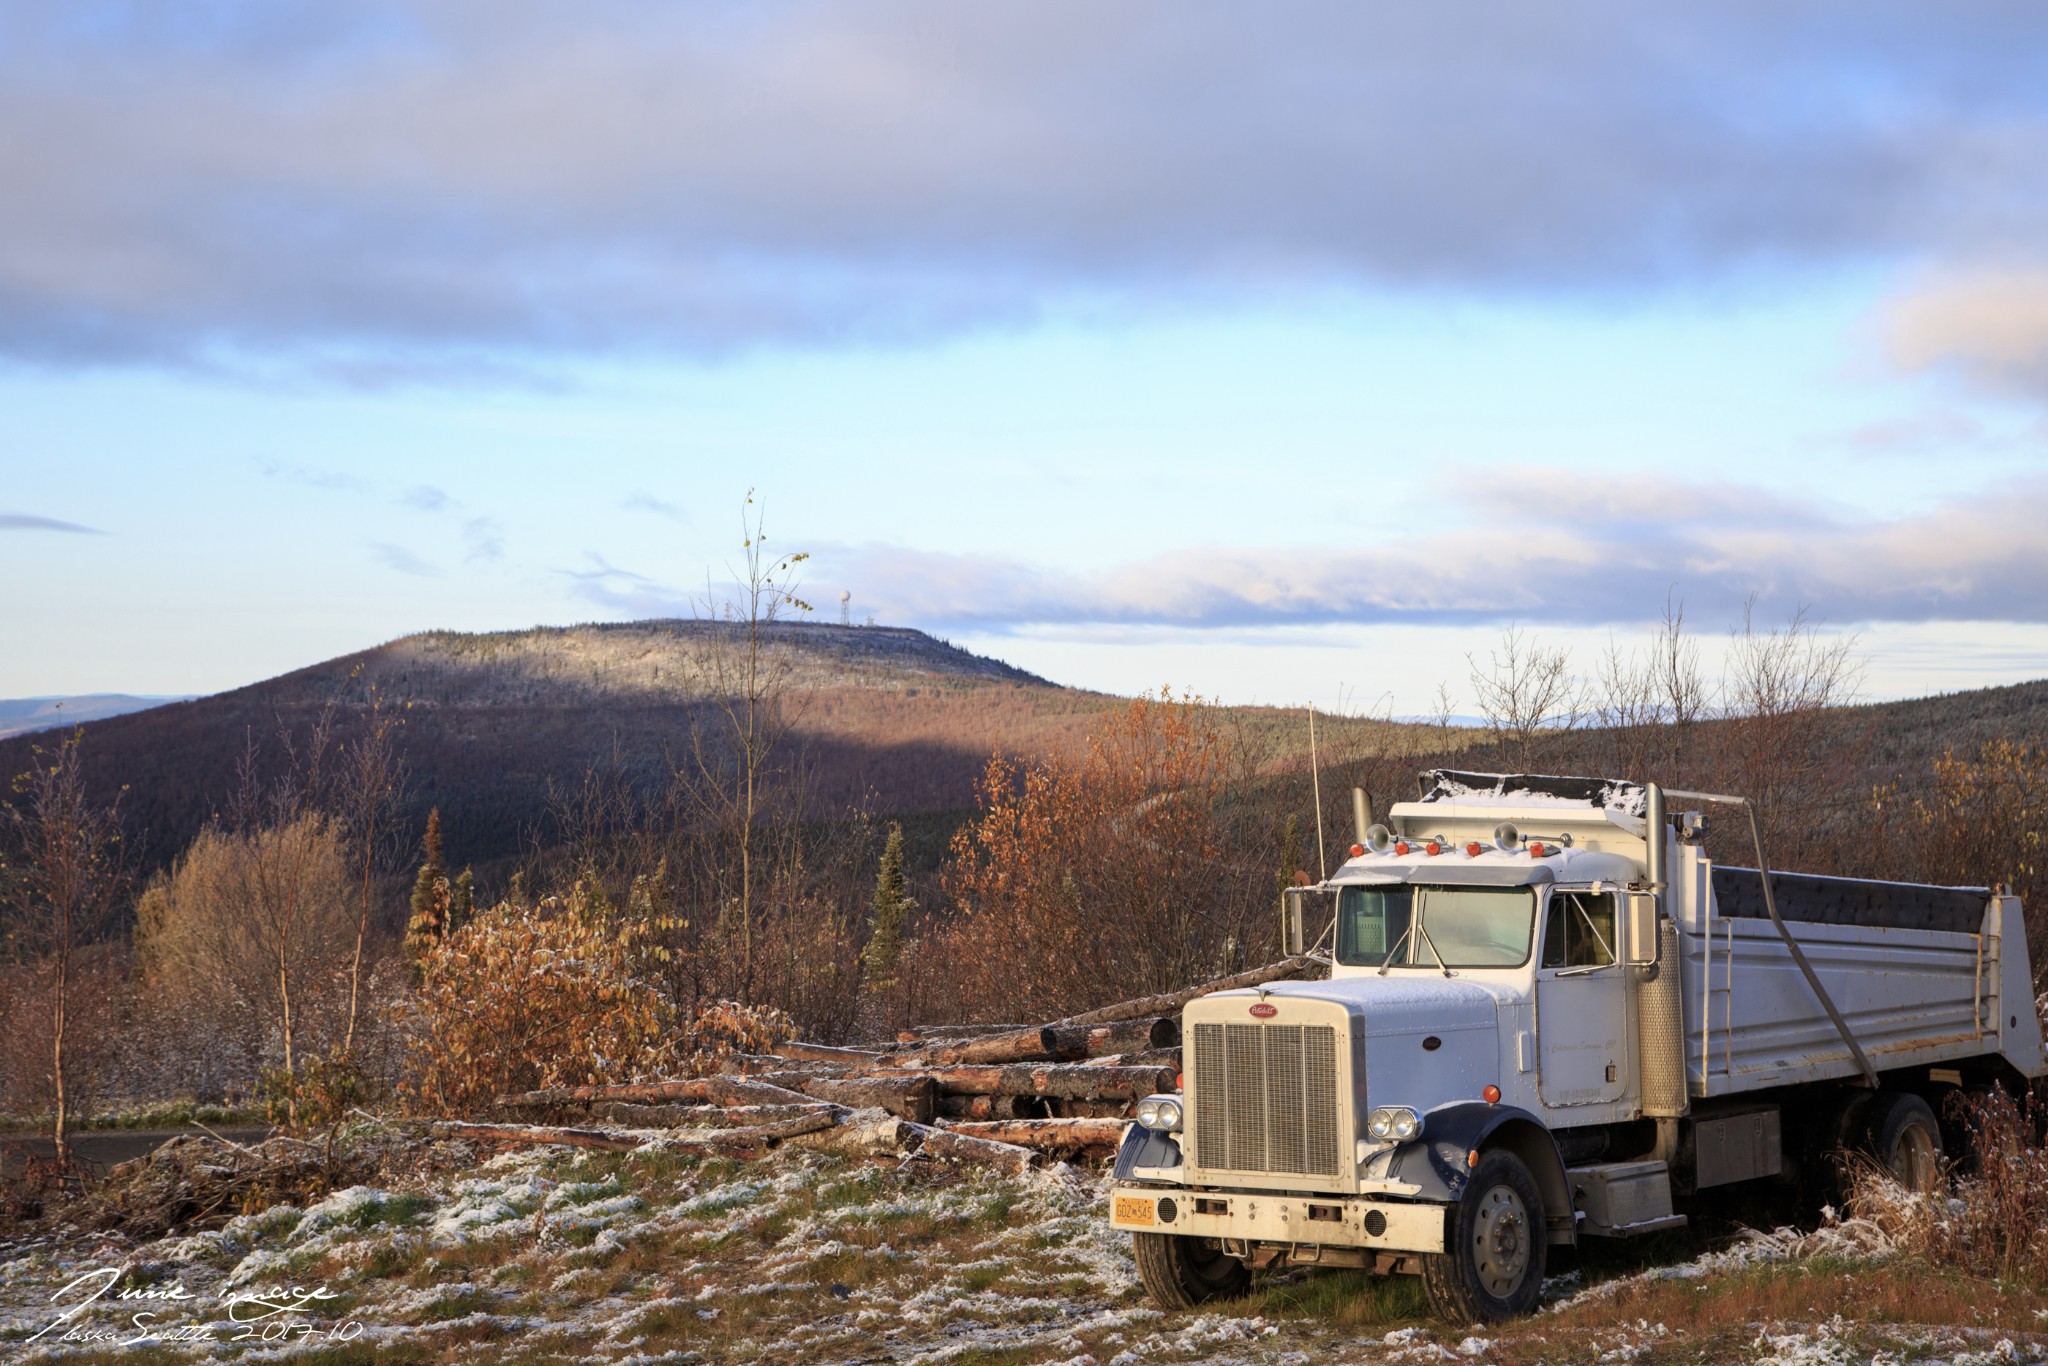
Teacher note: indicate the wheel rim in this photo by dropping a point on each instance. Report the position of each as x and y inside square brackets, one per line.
[1915, 1163]
[1500, 1242]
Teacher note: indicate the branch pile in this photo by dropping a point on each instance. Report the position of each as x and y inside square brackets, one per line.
[1003, 1095]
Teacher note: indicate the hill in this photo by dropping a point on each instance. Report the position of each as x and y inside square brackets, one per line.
[492, 722]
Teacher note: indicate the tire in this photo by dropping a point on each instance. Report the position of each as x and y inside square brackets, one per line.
[1180, 1272]
[1906, 1137]
[1492, 1269]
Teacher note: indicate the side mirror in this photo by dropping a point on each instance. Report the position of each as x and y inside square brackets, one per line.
[1643, 938]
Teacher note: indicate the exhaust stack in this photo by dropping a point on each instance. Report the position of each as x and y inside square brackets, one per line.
[1656, 830]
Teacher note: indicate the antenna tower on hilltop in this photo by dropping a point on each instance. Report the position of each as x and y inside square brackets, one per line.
[845, 608]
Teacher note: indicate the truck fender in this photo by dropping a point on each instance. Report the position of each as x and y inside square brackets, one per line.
[1440, 1162]
[1143, 1147]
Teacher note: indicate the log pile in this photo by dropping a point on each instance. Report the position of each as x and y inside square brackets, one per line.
[1004, 1096]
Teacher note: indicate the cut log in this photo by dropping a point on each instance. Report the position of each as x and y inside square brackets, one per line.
[754, 1136]
[1151, 1057]
[1047, 1043]
[890, 1137]
[1123, 1036]
[818, 1052]
[1080, 1081]
[995, 1107]
[1021, 1045]
[1171, 1003]
[912, 1098]
[684, 1116]
[760, 1064]
[958, 1147]
[535, 1133]
[1048, 1135]
[963, 1031]
[698, 1090]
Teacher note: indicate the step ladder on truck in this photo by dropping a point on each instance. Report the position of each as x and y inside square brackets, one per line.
[1551, 1017]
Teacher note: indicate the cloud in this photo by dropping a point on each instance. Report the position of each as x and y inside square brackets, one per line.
[484, 540]
[621, 590]
[404, 561]
[1603, 557]
[408, 189]
[312, 476]
[426, 498]
[1991, 327]
[23, 521]
[647, 502]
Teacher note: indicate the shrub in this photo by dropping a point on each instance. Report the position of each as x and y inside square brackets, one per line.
[1996, 1222]
[721, 1028]
[563, 993]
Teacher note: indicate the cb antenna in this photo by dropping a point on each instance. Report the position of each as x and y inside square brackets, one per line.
[1316, 775]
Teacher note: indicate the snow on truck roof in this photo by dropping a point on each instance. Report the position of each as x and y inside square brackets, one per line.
[1548, 792]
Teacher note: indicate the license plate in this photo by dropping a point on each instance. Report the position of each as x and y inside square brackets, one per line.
[1132, 1209]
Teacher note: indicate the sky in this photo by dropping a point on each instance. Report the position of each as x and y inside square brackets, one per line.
[1288, 353]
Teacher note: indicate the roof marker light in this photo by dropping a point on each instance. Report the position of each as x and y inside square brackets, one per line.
[1433, 848]
[1358, 851]
[1472, 849]
[1401, 846]
[1537, 850]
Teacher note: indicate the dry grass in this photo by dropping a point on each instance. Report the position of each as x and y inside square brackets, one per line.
[1995, 1225]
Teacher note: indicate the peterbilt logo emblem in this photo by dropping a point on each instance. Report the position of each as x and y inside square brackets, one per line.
[1264, 1011]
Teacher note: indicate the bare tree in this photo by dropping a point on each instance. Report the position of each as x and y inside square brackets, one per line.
[1650, 699]
[1783, 692]
[1528, 696]
[63, 877]
[750, 672]
[368, 790]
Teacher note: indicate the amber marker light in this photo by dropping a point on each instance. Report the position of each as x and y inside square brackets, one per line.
[1472, 849]
[1491, 1095]
[1358, 851]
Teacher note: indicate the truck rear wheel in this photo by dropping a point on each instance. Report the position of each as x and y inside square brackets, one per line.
[1906, 1137]
[1180, 1272]
[1492, 1266]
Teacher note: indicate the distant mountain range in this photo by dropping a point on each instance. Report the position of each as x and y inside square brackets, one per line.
[26, 715]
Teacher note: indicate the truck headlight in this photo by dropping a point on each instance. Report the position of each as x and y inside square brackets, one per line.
[1161, 1113]
[1393, 1124]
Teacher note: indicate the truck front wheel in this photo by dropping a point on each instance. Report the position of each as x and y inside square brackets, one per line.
[1180, 1272]
[1492, 1265]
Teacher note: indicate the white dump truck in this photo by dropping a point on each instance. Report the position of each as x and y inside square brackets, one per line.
[1550, 1017]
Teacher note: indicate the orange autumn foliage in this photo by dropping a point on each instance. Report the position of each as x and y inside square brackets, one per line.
[1104, 876]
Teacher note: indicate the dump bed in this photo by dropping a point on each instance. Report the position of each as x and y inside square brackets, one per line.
[1924, 977]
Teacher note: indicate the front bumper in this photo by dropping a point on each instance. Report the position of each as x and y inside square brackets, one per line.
[1269, 1217]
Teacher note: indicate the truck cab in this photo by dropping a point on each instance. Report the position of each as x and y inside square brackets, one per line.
[1536, 1028]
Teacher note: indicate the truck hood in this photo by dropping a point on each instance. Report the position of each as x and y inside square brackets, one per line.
[1405, 1003]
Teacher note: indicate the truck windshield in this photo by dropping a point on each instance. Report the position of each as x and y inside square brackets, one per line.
[1471, 927]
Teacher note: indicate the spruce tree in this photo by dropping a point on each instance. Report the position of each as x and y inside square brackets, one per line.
[432, 898]
[891, 908]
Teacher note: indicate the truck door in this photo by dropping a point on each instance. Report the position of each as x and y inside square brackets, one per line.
[1581, 1003]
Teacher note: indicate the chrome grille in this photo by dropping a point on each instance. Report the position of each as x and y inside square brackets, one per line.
[1265, 1098]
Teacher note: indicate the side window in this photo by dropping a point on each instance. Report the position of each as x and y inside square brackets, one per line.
[1579, 931]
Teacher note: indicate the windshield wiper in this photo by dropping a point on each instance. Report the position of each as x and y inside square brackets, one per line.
[1402, 942]
[1395, 952]
[1432, 948]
